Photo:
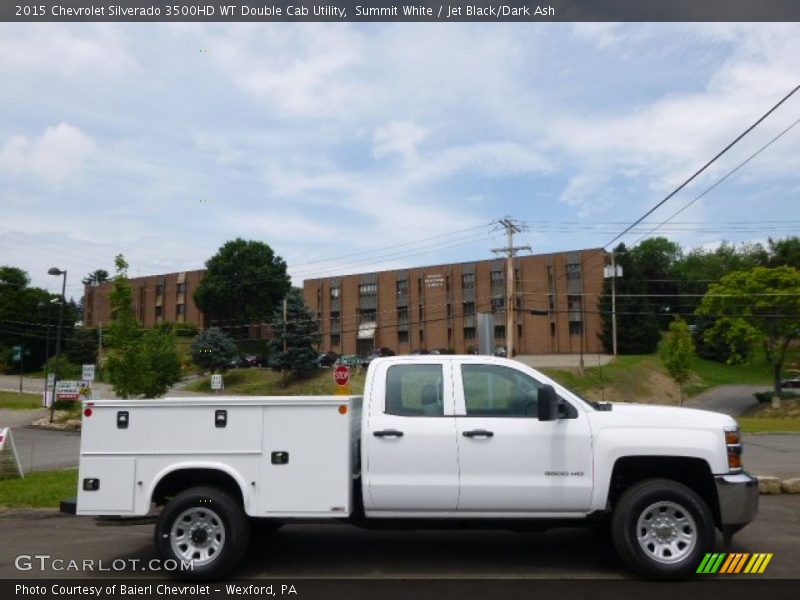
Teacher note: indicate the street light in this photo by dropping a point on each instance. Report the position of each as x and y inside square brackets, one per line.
[56, 272]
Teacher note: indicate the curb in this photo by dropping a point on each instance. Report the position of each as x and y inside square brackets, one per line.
[769, 485]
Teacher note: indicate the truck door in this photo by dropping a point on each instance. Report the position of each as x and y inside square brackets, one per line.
[411, 461]
[510, 462]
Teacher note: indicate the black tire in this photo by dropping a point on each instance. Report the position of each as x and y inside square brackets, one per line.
[653, 557]
[220, 528]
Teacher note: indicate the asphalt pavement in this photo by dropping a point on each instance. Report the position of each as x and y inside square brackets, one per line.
[344, 551]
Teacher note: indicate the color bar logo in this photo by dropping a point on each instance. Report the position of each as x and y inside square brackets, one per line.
[734, 563]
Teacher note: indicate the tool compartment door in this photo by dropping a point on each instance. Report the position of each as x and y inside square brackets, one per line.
[306, 461]
[116, 475]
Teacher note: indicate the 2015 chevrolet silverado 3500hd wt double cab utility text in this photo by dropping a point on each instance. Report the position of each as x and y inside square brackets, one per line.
[436, 441]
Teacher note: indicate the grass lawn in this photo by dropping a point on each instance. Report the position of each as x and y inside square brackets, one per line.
[266, 382]
[17, 401]
[764, 418]
[39, 489]
[643, 378]
[767, 425]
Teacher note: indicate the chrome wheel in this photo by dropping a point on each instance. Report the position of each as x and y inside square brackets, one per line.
[197, 535]
[666, 532]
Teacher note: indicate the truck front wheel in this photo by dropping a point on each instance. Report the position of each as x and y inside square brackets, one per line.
[662, 529]
[204, 530]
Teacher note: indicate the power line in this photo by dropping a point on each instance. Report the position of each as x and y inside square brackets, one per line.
[705, 166]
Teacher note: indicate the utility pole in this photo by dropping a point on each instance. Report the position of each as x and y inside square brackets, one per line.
[614, 303]
[510, 251]
[285, 346]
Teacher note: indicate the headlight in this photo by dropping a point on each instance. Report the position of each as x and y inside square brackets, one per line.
[733, 444]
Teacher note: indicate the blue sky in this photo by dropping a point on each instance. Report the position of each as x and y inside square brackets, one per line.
[396, 143]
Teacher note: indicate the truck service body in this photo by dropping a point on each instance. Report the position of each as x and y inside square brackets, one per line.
[434, 441]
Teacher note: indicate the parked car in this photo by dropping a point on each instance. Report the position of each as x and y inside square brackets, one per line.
[327, 359]
[348, 360]
[377, 353]
[256, 360]
[500, 351]
[791, 383]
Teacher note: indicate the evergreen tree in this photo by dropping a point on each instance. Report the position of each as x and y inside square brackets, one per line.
[214, 350]
[299, 334]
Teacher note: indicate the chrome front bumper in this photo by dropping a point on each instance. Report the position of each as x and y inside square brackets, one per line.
[738, 501]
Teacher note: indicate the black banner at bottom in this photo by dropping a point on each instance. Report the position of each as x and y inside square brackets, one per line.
[391, 589]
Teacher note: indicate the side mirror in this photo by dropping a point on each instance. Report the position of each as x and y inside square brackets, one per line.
[547, 404]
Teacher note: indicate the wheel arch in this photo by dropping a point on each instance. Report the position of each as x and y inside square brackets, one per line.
[178, 478]
[693, 472]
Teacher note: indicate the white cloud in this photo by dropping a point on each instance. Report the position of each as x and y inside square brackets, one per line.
[58, 155]
[398, 137]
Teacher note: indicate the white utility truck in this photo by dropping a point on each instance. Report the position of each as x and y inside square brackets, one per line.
[436, 441]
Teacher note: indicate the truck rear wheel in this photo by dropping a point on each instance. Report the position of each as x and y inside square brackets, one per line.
[662, 529]
[204, 527]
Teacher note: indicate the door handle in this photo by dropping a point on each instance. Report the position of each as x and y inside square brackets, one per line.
[388, 433]
[478, 433]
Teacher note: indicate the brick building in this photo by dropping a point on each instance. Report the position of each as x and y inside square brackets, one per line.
[436, 307]
[156, 299]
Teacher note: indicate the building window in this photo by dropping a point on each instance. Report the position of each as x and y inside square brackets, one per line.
[552, 330]
[421, 313]
[449, 310]
[575, 327]
[498, 304]
[402, 337]
[421, 335]
[402, 315]
[468, 281]
[499, 332]
[180, 288]
[180, 310]
[519, 331]
[367, 289]
[573, 271]
[447, 283]
[159, 287]
[335, 292]
[367, 316]
[159, 311]
[550, 275]
[552, 299]
[335, 319]
[402, 287]
[496, 277]
[336, 339]
[469, 333]
[469, 309]
[574, 305]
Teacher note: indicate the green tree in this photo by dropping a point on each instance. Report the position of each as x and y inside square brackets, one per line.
[244, 282]
[142, 364]
[759, 306]
[214, 350]
[24, 318]
[637, 319]
[676, 353]
[95, 277]
[82, 347]
[785, 252]
[296, 338]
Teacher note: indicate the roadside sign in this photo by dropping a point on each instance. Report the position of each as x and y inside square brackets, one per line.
[88, 373]
[342, 390]
[216, 382]
[341, 374]
[3, 434]
[72, 390]
[16, 353]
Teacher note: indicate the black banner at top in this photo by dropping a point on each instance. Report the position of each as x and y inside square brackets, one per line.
[386, 10]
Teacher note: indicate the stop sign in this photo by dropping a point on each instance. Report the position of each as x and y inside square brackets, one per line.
[341, 375]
